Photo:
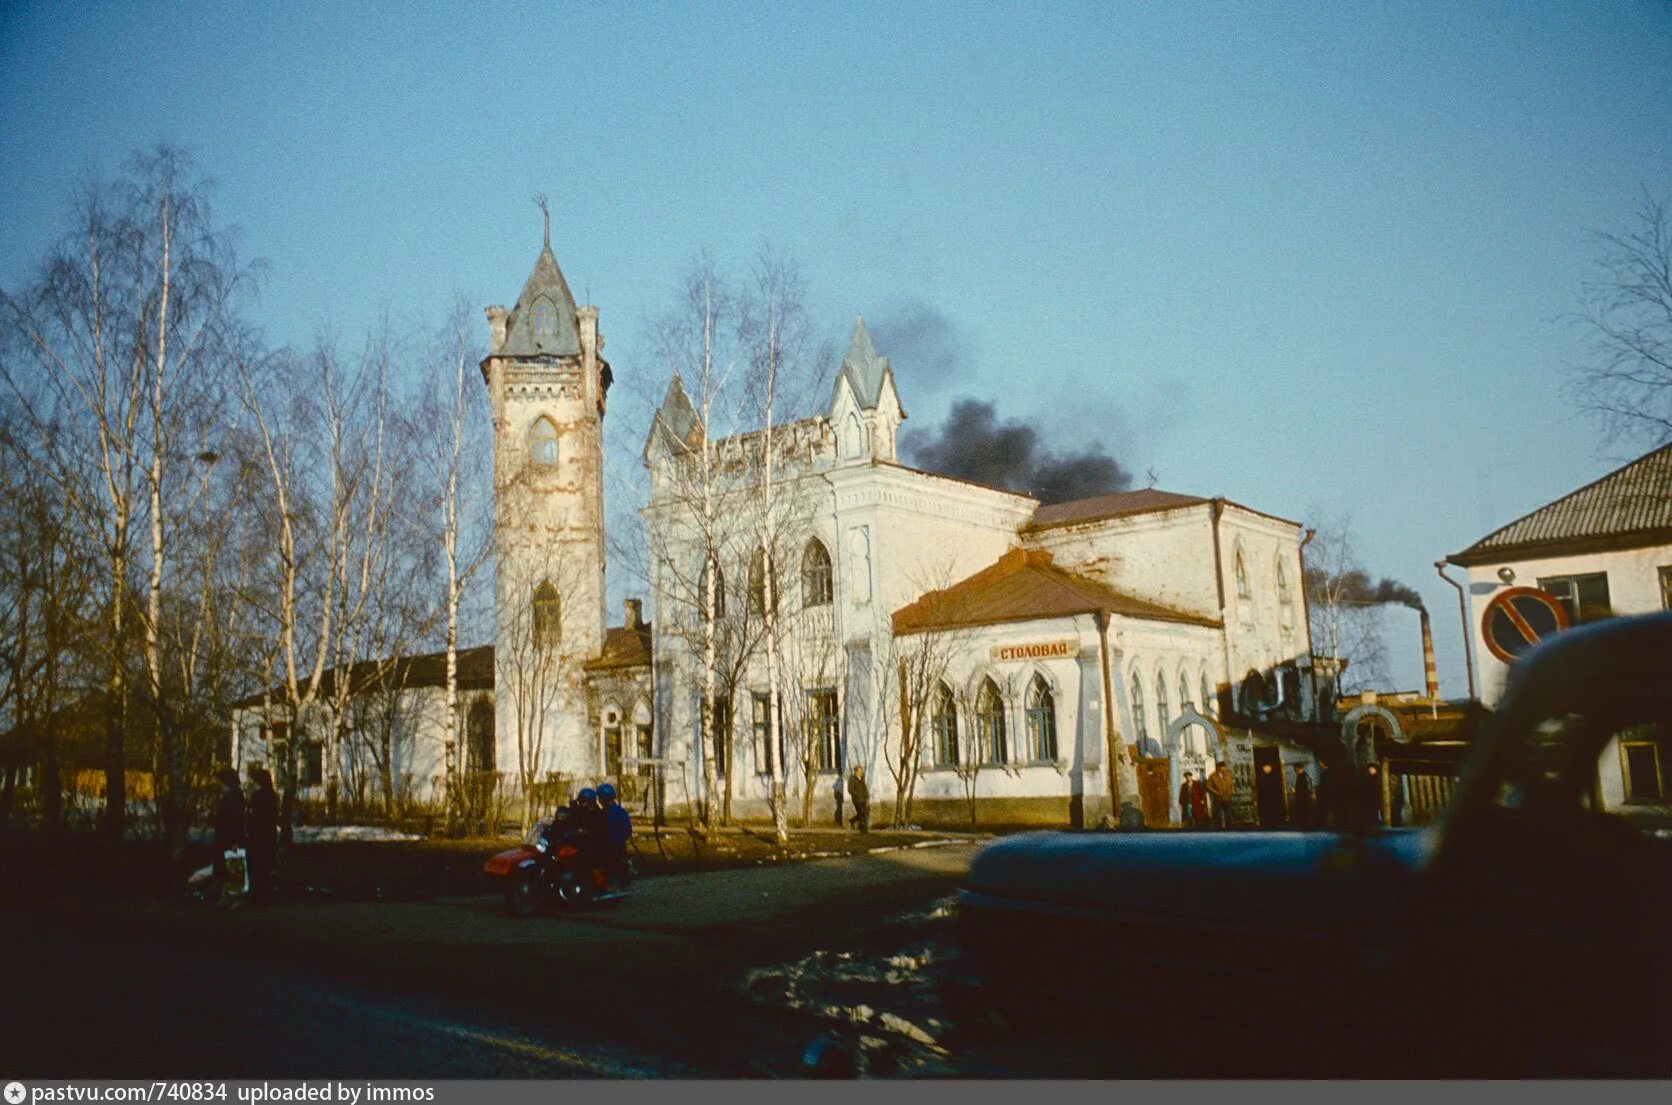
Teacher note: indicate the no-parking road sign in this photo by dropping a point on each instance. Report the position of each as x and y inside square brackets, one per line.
[1519, 618]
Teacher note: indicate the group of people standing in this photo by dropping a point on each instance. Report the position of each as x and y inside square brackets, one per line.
[252, 825]
[1340, 801]
[1208, 800]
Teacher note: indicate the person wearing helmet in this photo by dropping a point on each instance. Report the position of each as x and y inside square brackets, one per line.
[618, 826]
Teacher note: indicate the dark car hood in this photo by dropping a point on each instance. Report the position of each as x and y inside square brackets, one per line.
[1280, 879]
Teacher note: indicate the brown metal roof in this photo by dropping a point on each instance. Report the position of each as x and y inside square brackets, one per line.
[1025, 585]
[1629, 503]
[623, 648]
[475, 672]
[1109, 506]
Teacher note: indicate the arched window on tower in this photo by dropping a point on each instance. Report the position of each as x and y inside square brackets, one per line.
[817, 585]
[548, 616]
[545, 322]
[989, 724]
[542, 442]
[1042, 722]
[945, 722]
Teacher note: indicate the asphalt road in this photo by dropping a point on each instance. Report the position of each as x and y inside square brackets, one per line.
[649, 986]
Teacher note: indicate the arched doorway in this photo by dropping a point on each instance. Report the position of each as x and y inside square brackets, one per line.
[1194, 742]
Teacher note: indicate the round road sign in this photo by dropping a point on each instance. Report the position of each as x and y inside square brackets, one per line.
[1519, 618]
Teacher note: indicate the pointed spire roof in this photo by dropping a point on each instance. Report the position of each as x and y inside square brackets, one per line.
[532, 330]
[863, 369]
[677, 417]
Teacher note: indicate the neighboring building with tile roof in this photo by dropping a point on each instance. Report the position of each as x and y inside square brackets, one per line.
[1600, 551]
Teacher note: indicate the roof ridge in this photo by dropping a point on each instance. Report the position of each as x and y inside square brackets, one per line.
[1484, 542]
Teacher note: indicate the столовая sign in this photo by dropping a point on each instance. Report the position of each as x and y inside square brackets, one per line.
[1042, 650]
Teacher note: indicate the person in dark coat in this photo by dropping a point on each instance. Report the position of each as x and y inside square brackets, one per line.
[1187, 806]
[618, 831]
[1199, 801]
[229, 821]
[861, 795]
[1300, 803]
[263, 830]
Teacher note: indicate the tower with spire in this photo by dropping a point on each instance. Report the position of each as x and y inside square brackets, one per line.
[864, 405]
[547, 382]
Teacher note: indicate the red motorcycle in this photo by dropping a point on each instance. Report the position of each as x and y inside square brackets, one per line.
[546, 867]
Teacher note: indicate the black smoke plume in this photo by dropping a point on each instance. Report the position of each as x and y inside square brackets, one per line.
[1357, 587]
[973, 444]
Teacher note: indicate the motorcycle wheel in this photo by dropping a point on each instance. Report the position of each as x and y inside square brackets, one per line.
[570, 890]
[525, 896]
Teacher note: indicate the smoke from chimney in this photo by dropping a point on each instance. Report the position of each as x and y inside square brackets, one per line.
[973, 444]
[1357, 587]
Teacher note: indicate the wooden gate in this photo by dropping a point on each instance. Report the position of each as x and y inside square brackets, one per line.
[1155, 791]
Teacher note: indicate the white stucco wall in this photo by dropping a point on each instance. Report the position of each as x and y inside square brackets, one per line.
[1633, 588]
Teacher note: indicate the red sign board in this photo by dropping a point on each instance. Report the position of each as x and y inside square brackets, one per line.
[1519, 618]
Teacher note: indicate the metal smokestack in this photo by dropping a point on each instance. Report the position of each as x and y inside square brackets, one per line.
[1430, 672]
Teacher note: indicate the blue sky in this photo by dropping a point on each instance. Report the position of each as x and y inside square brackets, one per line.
[1311, 257]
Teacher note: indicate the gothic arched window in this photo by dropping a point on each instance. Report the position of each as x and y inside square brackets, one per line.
[1243, 591]
[1207, 695]
[1285, 609]
[711, 576]
[542, 442]
[548, 616]
[1140, 718]
[757, 584]
[1163, 712]
[945, 723]
[1042, 722]
[989, 724]
[817, 585]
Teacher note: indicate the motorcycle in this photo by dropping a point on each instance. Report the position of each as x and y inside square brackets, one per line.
[547, 866]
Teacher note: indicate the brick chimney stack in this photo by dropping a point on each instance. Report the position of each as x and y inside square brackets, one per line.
[634, 613]
[1430, 672]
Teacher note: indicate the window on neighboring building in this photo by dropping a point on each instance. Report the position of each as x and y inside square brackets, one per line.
[1140, 718]
[989, 724]
[548, 616]
[817, 586]
[313, 763]
[1642, 768]
[1666, 588]
[822, 727]
[1243, 591]
[945, 723]
[1585, 597]
[542, 442]
[1042, 722]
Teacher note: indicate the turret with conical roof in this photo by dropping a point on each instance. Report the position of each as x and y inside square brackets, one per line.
[864, 404]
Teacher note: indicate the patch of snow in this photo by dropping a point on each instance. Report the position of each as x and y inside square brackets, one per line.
[908, 1030]
[317, 834]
